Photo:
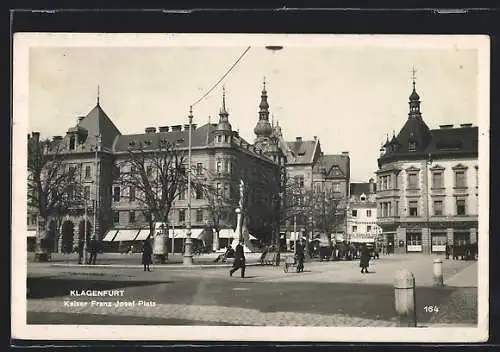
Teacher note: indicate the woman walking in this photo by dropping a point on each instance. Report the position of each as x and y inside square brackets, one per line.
[147, 251]
[364, 259]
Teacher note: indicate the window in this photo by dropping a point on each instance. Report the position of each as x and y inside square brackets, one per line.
[131, 195]
[72, 143]
[368, 213]
[396, 208]
[199, 193]
[362, 198]
[336, 187]
[460, 179]
[131, 217]
[437, 180]
[199, 169]
[354, 228]
[199, 215]
[88, 171]
[368, 228]
[219, 167]
[477, 177]
[354, 213]
[219, 190]
[149, 171]
[460, 206]
[182, 215]
[413, 180]
[116, 217]
[414, 239]
[182, 192]
[413, 205]
[226, 165]
[86, 192]
[116, 194]
[301, 181]
[438, 207]
[226, 191]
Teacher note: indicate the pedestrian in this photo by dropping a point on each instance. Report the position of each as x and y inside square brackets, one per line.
[147, 251]
[364, 259]
[447, 251]
[94, 248]
[239, 260]
[80, 252]
[299, 253]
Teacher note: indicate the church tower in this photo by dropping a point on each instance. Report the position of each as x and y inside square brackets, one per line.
[223, 133]
[263, 130]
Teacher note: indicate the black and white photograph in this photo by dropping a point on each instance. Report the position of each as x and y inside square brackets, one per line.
[250, 187]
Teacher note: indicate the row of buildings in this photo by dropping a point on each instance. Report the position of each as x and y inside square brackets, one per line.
[97, 149]
[425, 194]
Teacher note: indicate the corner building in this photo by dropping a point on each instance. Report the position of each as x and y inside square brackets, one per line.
[427, 185]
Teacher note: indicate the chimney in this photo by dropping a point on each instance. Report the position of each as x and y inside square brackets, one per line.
[372, 185]
[315, 137]
[36, 136]
[150, 129]
[176, 128]
[163, 128]
[445, 126]
[466, 125]
[345, 153]
[298, 139]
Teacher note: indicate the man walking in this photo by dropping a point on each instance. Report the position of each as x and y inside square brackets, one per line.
[364, 259]
[94, 248]
[239, 260]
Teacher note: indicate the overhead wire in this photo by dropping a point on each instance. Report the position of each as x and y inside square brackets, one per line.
[222, 78]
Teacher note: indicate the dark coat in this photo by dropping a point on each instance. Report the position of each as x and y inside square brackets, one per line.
[147, 251]
[239, 256]
[364, 258]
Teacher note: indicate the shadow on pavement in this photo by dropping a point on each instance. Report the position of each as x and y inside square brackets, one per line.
[45, 287]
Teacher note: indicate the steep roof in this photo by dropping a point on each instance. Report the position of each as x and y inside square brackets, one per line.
[329, 162]
[421, 135]
[200, 137]
[98, 123]
[463, 139]
[302, 151]
[357, 189]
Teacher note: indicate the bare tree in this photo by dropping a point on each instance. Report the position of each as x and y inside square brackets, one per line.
[51, 185]
[220, 201]
[155, 175]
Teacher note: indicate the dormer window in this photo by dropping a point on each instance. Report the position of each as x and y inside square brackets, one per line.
[412, 146]
[72, 142]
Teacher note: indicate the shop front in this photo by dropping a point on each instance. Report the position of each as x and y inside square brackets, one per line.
[439, 241]
[413, 242]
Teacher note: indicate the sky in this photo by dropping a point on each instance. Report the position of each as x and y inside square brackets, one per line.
[349, 93]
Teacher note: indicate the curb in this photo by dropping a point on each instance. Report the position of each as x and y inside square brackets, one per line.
[159, 266]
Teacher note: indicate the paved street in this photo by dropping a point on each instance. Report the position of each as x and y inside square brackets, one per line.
[326, 294]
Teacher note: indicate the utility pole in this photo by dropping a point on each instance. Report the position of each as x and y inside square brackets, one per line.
[188, 256]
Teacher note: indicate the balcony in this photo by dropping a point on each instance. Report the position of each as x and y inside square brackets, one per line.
[388, 193]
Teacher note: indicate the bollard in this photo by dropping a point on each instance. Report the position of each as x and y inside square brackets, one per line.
[404, 298]
[438, 272]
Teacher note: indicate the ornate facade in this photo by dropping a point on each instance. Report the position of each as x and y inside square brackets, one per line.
[427, 185]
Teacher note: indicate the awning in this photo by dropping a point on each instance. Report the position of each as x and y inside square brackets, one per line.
[226, 233]
[31, 233]
[181, 233]
[362, 240]
[126, 235]
[143, 235]
[110, 235]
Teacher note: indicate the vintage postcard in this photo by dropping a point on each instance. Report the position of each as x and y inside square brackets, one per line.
[250, 187]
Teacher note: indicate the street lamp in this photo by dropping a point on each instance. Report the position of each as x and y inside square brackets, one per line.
[188, 256]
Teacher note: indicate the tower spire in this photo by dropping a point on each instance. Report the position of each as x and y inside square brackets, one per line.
[413, 77]
[414, 99]
[98, 94]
